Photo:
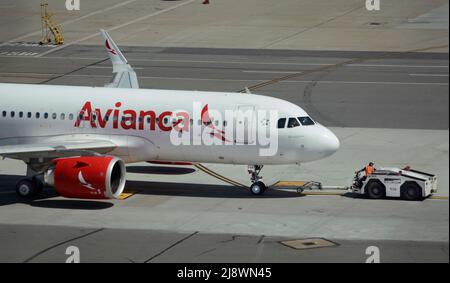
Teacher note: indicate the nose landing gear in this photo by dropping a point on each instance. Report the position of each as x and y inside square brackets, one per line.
[257, 187]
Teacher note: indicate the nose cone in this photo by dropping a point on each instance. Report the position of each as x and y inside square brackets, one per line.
[328, 142]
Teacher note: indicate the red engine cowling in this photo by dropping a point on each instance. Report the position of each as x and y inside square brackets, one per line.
[90, 177]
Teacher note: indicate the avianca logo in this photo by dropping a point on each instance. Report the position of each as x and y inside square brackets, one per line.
[108, 47]
[83, 181]
[207, 121]
[129, 119]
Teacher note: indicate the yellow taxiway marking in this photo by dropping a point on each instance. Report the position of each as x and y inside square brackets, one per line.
[438, 197]
[127, 194]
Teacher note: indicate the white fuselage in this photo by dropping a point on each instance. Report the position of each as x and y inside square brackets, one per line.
[31, 114]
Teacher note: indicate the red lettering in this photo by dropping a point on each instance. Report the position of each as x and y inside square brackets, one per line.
[116, 116]
[142, 117]
[85, 115]
[103, 120]
[183, 117]
[129, 122]
[161, 125]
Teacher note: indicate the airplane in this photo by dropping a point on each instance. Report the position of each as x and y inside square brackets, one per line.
[78, 139]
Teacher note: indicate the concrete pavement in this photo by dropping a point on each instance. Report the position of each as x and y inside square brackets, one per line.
[261, 24]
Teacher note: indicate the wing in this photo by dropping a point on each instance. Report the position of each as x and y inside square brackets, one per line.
[124, 75]
[56, 149]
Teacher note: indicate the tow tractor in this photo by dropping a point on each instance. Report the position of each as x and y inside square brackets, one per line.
[403, 183]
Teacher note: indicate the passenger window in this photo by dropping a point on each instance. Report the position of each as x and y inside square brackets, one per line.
[13, 114]
[293, 123]
[281, 123]
[29, 114]
[45, 115]
[38, 115]
[70, 116]
[54, 116]
[4, 114]
[20, 114]
[306, 121]
[63, 116]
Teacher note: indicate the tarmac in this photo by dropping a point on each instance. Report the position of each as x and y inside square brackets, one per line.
[385, 106]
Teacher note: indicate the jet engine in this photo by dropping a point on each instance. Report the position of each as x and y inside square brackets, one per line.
[87, 177]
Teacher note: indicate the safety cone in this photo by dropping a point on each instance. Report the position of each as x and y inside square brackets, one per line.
[205, 2]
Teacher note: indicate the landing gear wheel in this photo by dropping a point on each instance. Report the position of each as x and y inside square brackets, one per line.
[376, 190]
[27, 188]
[258, 188]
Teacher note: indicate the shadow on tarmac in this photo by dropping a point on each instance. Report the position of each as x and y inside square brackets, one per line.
[8, 196]
[203, 190]
[45, 199]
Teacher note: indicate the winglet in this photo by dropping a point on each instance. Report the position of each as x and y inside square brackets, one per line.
[124, 75]
[114, 52]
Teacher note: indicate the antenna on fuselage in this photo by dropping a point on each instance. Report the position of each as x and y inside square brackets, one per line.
[247, 91]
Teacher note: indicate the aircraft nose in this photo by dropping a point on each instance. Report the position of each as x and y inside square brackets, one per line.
[329, 142]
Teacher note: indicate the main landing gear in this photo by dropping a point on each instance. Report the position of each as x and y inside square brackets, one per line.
[30, 187]
[257, 187]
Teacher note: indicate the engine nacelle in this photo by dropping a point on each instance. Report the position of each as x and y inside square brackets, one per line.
[88, 177]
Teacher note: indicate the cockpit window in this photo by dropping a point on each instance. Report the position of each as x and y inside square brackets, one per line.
[293, 123]
[281, 123]
[306, 121]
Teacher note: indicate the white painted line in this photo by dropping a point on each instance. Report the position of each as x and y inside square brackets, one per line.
[18, 54]
[398, 66]
[428, 75]
[28, 74]
[239, 80]
[248, 62]
[270, 72]
[109, 67]
[70, 21]
[118, 27]
[375, 83]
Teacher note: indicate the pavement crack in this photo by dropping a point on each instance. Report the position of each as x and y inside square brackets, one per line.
[74, 71]
[205, 252]
[233, 238]
[62, 243]
[261, 239]
[171, 246]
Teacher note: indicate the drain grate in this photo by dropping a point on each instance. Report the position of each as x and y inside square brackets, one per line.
[313, 243]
